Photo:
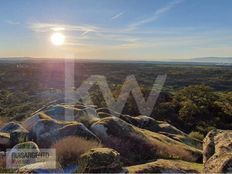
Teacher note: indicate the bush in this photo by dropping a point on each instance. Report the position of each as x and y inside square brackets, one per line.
[196, 135]
[68, 150]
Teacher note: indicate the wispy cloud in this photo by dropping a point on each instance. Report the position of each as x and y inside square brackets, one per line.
[158, 13]
[117, 15]
[48, 27]
[12, 22]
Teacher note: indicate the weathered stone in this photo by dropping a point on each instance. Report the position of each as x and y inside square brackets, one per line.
[61, 112]
[100, 160]
[153, 125]
[103, 115]
[139, 145]
[47, 132]
[10, 127]
[19, 136]
[217, 151]
[18, 133]
[23, 147]
[166, 166]
[30, 122]
[219, 164]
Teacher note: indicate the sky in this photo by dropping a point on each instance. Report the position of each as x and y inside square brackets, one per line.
[117, 29]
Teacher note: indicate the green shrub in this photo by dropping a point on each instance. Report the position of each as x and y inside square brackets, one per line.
[196, 135]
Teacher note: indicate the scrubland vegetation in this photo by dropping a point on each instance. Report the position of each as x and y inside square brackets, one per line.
[195, 98]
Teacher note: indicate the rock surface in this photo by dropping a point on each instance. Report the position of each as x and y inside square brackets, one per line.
[161, 127]
[81, 113]
[47, 132]
[219, 164]
[100, 160]
[131, 141]
[153, 125]
[15, 132]
[166, 166]
[217, 151]
[22, 147]
[10, 127]
[139, 145]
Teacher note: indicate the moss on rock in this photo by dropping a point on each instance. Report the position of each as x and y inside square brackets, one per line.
[100, 160]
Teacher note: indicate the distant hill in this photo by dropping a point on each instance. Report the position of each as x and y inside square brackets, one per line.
[219, 60]
[200, 60]
[14, 59]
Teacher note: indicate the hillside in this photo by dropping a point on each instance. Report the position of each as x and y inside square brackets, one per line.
[104, 142]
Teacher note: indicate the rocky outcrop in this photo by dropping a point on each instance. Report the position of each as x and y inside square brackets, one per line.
[62, 112]
[47, 132]
[10, 127]
[219, 164]
[217, 151]
[130, 141]
[153, 125]
[100, 160]
[139, 145]
[161, 127]
[166, 166]
[15, 133]
[30, 122]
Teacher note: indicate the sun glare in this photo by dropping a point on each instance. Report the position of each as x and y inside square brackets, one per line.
[57, 39]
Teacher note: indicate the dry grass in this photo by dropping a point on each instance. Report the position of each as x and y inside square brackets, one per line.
[2, 161]
[132, 149]
[68, 150]
[3, 121]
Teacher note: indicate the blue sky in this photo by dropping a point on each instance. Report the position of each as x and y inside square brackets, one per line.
[117, 29]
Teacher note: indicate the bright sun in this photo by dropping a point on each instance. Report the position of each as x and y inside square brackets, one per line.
[57, 38]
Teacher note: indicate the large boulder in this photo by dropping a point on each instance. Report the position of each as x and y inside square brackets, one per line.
[100, 160]
[161, 127]
[30, 122]
[139, 145]
[153, 125]
[219, 164]
[17, 132]
[217, 142]
[30, 145]
[10, 127]
[62, 112]
[217, 151]
[141, 121]
[47, 132]
[166, 166]
[21, 147]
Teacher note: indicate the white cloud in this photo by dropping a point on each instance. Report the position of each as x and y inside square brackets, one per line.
[48, 27]
[117, 15]
[13, 22]
[158, 13]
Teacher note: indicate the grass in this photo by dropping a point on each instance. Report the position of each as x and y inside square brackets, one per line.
[69, 149]
[169, 148]
[3, 121]
[196, 135]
